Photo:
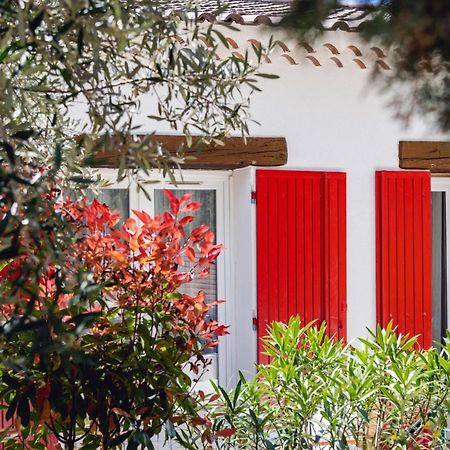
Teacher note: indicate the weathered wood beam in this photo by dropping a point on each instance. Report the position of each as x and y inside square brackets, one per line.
[430, 155]
[235, 153]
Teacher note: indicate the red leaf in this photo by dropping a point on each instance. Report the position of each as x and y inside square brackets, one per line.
[175, 206]
[209, 236]
[190, 253]
[131, 225]
[198, 421]
[186, 220]
[174, 202]
[42, 395]
[226, 432]
[221, 330]
[142, 216]
[121, 412]
[184, 198]
[169, 194]
[198, 232]
[194, 206]
[213, 398]
[215, 252]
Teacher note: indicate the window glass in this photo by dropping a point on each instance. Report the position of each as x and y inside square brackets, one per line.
[117, 198]
[439, 265]
[206, 215]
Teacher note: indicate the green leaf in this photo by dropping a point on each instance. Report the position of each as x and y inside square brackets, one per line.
[9, 252]
[92, 446]
[132, 444]
[37, 20]
[221, 37]
[12, 408]
[23, 135]
[80, 41]
[170, 429]
[9, 152]
[81, 180]
[121, 438]
[23, 410]
[57, 158]
[142, 437]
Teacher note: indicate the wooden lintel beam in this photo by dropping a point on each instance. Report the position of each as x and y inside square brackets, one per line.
[429, 155]
[235, 153]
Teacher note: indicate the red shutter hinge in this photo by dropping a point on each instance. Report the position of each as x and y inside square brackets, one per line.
[254, 323]
[253, 197]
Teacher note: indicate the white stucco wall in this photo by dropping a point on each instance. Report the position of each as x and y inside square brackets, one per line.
[333, 119]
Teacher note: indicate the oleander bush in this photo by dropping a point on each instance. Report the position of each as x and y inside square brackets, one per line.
[320, 393]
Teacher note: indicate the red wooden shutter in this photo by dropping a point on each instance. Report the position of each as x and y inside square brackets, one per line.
[404, 252]
[301, 249]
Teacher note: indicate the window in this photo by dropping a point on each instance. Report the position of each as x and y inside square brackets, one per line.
[440, 208]
[211, 190]
[115, 198]
[207, 215]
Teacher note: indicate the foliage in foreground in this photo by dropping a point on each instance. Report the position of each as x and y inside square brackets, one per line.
[128, 334]
[419, 32]
[318, 393]
[77, 76]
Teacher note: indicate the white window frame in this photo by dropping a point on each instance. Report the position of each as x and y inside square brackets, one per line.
[442, 184]
[198, 179]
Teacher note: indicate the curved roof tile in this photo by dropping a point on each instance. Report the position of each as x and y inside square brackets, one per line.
[255, 12]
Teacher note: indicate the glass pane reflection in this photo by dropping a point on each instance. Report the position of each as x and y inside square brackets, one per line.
[115, 198]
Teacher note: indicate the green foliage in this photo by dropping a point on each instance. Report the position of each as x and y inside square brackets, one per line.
[113, 60]
[129, 335]
[122, 64]
[319, 393]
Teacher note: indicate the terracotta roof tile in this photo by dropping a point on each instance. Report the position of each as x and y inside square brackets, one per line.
[254, 12]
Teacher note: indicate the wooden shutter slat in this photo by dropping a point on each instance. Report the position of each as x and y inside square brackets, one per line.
[283, 242]
[335, 242]
[400, 250]
[342, 255]
[392, 248]
[418, 257]
[317, 240]
[335, 239]
[427, 251]
[308, 241]
[273, 248]
[300, 239]
[301, 249]
[409, 259]
[329, 279]
[292, 247]
[404, 252]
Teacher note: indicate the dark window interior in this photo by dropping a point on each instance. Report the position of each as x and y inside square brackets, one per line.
[439, 264]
